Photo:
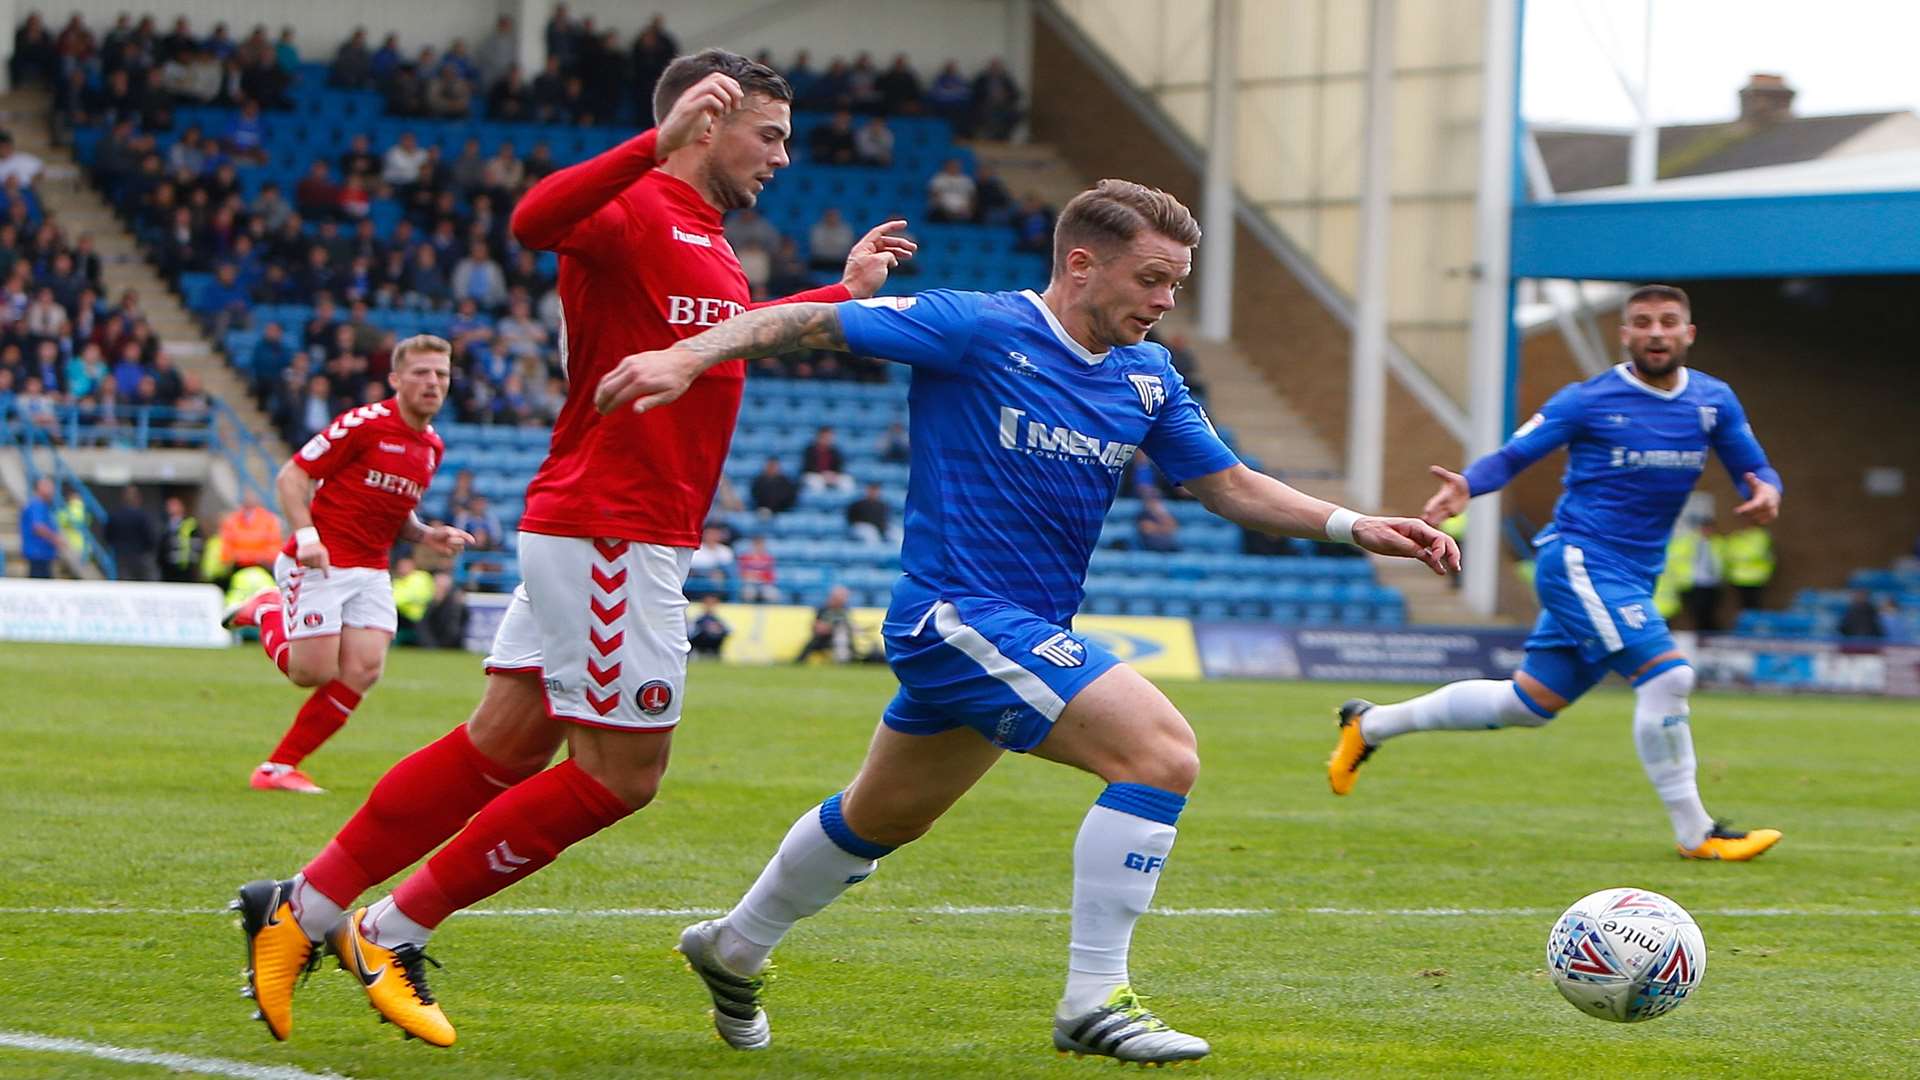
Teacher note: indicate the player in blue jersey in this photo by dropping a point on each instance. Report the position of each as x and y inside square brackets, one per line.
[1025, 410]
[1637, 439]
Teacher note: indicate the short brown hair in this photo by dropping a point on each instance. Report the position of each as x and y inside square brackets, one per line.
[1654, 293]
[420, 343]
[1113, 212]
[753, 77]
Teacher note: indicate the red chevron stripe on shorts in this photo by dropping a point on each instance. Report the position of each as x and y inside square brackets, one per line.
[609, 582]
[610, 549]
[605, 646]
[604, 705]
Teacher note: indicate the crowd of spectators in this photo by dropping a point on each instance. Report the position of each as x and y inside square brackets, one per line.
[451, 250]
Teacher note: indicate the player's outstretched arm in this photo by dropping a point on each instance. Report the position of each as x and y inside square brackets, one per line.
[653, 379]
[1257, 501]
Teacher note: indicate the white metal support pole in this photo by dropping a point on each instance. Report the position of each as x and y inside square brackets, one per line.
[1643, 157]
[1492, 314]
[530, 26]
[1367, 400]
[1216, 199]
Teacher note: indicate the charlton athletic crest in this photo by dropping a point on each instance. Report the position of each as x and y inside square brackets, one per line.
[654, 697]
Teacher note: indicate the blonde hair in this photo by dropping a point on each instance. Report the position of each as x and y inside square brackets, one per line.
[1113, 212]
[420, 343]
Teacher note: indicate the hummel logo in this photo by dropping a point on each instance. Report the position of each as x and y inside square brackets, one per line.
[502, 860]
[696, 239]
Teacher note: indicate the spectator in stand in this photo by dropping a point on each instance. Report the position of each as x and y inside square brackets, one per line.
[497, 54]
[314, 411]
[899, 87]
[518, 334]
[1862, 618]
[511, 98]
[993, 203]
[788, 271]
[1155, 528]
[504, 174]
[653, 49]
[181, 543]
[829, 241]
[711, 567]
[759, 574]
[450, 96]
[773, 491]
[251, 535]
[75, 525]
[893, 445]
[873, 143]
[478, 278]
[822, 466]
[427, 284]
[352, 67]
[746, 227]
[18, 164]
[445, 624]
[479, 520]
[832, 630]
[708, 631]
[316, 196]
[832, 143]
[401, 164]
[246, 138]
[40, 539]
[134, 538]
[996, 103]
[951, 98]
[950, 194]
[1033, 226]
[35, 57]
[870, 519]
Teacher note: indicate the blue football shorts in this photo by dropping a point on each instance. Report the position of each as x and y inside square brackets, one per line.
[989, 665]
[1596, 615]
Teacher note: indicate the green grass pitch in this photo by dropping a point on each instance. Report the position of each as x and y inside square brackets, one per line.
[1304, 935]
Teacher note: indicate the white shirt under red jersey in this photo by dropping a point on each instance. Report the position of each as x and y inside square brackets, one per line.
[643, 263]
[373, 468]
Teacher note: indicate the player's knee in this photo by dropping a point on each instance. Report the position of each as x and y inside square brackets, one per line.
[1167, 758]
[361, 674]
[311, 673]
[1675, 683]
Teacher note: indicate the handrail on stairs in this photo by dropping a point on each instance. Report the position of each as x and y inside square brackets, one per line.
[26, 437]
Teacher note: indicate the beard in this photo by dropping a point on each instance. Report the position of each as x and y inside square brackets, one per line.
[1658, 367]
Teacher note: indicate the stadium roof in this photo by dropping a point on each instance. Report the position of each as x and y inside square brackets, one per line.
[1583, 159]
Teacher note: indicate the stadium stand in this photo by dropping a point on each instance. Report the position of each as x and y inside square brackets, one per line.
[311, 236]
[1886, 600]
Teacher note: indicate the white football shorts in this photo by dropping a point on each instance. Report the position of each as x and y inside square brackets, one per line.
[604, 623]
[317, 603]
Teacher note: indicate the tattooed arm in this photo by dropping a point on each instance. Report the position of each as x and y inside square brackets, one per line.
[656, 378]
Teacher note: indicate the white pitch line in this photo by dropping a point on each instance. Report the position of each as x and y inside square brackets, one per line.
[1024, 909]
[188, 1063]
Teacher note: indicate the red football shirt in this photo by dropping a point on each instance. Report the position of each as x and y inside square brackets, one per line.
[372, 469]
[643, 263]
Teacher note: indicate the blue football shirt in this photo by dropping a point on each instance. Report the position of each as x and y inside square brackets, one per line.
[1634, 453]
[1020, 437]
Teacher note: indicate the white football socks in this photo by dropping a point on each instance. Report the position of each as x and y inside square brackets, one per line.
[388, 927]
[1664, 740]
[814, 865]
[313, 910]
[1473, 705]
[1116, 866]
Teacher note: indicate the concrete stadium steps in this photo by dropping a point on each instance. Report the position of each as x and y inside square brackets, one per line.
[66, 195]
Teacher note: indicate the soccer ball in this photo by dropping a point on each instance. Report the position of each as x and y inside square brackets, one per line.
[1626, 955]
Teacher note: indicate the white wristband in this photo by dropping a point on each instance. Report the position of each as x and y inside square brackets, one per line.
[1340, 525]
[303, 537]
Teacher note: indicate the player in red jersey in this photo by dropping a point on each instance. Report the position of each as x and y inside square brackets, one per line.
[349, 495]
[592, 652]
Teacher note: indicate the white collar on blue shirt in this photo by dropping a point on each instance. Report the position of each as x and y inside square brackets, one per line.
[1078, 350]
[1626, 372]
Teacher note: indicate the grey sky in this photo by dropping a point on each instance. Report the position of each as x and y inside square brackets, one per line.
[1841, 55]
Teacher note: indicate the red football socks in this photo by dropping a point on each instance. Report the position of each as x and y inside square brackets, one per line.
[516, 834]
[425, 798]
[325, 712]
[272, 621]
